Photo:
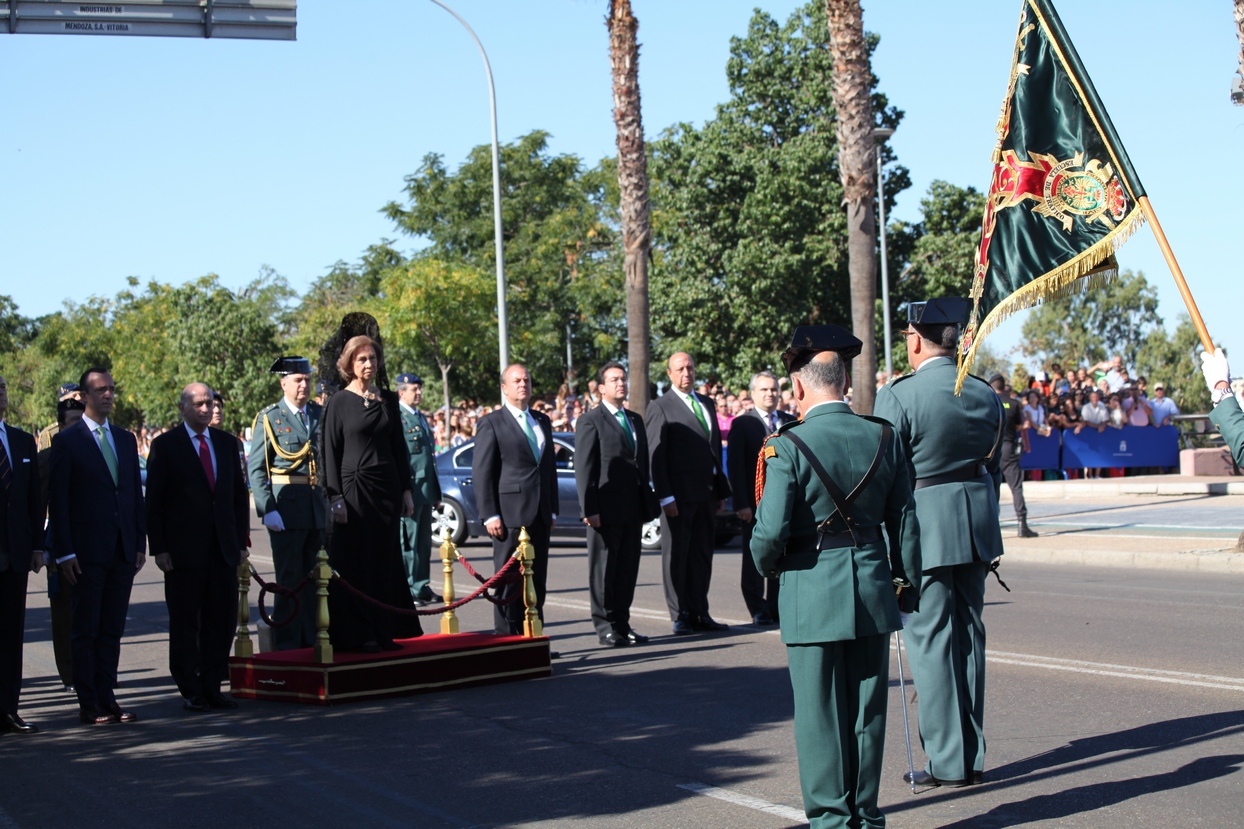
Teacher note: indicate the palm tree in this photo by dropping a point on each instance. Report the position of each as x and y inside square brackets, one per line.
[633, 184]
[854, 112]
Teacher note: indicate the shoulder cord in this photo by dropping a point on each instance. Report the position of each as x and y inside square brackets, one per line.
[295, 458]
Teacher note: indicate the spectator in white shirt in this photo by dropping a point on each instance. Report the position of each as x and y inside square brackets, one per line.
[1095, 413]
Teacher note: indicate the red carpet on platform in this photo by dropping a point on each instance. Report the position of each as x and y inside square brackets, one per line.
[428, 663]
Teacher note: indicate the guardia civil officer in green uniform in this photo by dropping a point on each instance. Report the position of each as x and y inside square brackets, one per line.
[951, 443]
[831, 482]
[425, 488]
[283, 469]
[1227, 417]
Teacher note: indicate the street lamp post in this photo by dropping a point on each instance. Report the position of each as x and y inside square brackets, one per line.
[880, 134]
[503, 336]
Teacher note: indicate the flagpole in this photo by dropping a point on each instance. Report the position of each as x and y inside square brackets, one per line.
[1177, 273]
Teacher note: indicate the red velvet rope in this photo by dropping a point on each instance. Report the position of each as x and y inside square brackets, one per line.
[280, 590]
[503, 575]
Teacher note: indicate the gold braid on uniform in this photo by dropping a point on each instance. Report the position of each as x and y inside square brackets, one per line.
[295, 459]
[766, 452]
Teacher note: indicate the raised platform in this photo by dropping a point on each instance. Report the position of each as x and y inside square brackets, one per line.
[428, 663]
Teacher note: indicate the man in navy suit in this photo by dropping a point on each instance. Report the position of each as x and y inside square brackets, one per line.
[515, 487]
[197, 523]
[99, 530]
[685, 455]
[21, 551]
[611, 472]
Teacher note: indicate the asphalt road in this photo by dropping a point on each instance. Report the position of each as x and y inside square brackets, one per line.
[1116, 698]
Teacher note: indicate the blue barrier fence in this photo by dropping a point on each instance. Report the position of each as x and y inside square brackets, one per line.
[1129, 446]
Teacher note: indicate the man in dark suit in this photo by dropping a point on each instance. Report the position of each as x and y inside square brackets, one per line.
[611, 473]
[99, 537]
[685, 455]
[21, 551]
[196, 528]
[516, 487]
[747, 434]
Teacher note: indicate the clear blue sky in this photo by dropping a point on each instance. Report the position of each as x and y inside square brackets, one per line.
[168, 158]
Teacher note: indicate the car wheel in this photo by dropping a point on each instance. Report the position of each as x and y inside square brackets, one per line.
[650, 535]
[449, 515]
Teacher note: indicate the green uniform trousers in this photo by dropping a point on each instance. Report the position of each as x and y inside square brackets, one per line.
[293, 554]
[840, 710]
[946, 648]
[417, 551]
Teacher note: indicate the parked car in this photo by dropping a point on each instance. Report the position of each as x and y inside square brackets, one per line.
[460, 516]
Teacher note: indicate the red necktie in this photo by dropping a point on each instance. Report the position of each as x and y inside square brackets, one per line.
[205, 457]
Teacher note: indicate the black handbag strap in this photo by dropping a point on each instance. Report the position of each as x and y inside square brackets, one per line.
[842, 503]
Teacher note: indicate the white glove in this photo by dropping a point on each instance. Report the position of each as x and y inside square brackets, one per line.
[1214, 367]
[272, 520]
[904, 618]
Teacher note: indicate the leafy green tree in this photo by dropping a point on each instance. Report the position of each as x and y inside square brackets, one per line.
[934, 257]
[444, 313]
[1176, 361]
[749, 228]
[557, 248]
[16, 331]
[1094, 323]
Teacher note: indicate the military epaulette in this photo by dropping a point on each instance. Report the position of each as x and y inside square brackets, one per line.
[981, 379]
[901, 378]
[875, 419]
[790, 424]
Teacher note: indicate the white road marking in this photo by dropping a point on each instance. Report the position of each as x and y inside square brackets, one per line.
[1123, 671]
[745, 800]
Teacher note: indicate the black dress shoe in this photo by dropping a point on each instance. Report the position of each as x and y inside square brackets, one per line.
[90, 715]
[763, 620]
[977, 778]
[682, 627]
[614, 640]
[120, 716]
[706, 623]
[196, 704]
[219, 700]
[923, 778]
[635, 638]
[17, 725]
[390, 645]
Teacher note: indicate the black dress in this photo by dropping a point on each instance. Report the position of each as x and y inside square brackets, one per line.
[365, 462]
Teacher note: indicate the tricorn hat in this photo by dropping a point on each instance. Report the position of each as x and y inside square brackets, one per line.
[811, 339]
[945, 310]
[291, 365]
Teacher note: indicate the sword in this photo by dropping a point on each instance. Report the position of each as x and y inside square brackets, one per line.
[902, 695]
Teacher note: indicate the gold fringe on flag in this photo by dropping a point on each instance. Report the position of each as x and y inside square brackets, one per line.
[1087, 271]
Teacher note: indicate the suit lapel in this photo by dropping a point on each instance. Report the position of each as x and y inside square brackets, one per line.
[189, 445]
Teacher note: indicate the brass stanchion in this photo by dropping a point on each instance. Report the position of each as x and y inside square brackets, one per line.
[323, 573]
[449, 554]
[242, 645]
[526, 554]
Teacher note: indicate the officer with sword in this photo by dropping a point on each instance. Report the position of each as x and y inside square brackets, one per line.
[828, 484]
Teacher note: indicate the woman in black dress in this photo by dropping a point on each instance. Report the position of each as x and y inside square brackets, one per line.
[367, 477]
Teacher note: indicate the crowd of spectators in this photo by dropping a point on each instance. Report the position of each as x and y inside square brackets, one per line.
[1100, 397]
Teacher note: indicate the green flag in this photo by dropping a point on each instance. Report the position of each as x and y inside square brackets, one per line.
[1064, 195]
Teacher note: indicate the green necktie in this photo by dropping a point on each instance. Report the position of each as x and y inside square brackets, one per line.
[625, 422]
[110, 457]
[531, 436]
[699, 414]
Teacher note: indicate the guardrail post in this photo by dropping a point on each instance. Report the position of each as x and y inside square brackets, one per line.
[242, 645]
[526, 555]
[449, 554]
[323, 652]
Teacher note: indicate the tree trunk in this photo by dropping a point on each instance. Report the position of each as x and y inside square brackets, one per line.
[1239, 33]
[856, 167]
[633, 186]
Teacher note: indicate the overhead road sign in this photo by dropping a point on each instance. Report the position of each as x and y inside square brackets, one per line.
[247, 19]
